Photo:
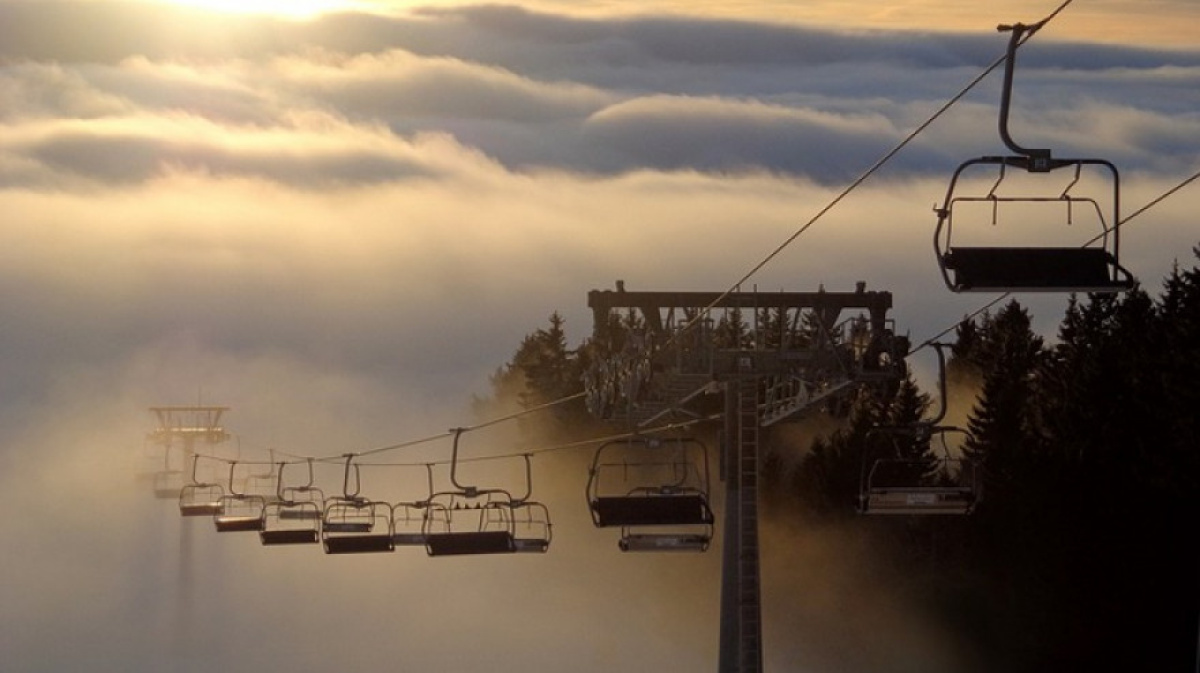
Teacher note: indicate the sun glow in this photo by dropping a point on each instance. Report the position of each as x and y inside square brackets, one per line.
[293, 9]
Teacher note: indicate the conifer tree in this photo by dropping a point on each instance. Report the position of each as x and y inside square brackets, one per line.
[1003, 438]
[881, 426]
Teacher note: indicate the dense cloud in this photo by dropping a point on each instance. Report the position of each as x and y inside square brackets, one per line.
[538, 91]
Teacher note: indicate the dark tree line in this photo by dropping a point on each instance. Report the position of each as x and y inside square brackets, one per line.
[1081, 553]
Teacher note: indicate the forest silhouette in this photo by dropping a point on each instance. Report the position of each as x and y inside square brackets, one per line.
[1079, 553]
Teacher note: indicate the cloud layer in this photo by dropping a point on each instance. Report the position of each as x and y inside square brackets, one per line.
[537, 91]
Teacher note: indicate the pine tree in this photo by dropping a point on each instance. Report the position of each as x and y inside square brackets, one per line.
[1003, 438]
[881, 426]
[542, 370]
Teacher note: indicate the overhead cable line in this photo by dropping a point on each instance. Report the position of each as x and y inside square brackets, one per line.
[339, 458]
[471, 428]
[553, 448]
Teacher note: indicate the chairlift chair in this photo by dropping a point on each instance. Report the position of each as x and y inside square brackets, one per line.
[408, 524]
[892, 489]
[461, 523]
[352, 524]
[531, 527]
[918, 486]
[294, 515]
[240, 511]
[293, 522]
[469, 520]
[167, 484]
[265, 484]
[1091, 267]
[976, 268]
[356, 525]
[632, 541]
[200, 498]
[655, 491]
[165, 473]
[906, 484]
[408, 518]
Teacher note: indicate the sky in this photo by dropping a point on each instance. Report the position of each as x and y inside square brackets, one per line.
[341, 221]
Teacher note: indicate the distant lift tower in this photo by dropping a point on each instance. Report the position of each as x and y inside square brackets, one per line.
[188, 425]
[659, 356]
[180, 431]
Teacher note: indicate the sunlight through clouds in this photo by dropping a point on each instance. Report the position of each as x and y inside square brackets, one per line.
[294, 9]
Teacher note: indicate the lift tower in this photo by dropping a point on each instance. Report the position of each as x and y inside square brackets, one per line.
[188, 424]
[662, 356]
[184, 428]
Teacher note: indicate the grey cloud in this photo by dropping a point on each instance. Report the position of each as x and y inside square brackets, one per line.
[537, 91]
[131, 158]
[510, 31]
[227, 93]
[672, 133]
[398, 85]
[37, 90]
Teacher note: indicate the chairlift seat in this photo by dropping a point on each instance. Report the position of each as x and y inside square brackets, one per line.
[358, 544]
[999, 269]
[409, 539]
[289, 536]
[651, 510]
[348, 526]
[473, 542]
[532, 545]
[238, 524]
[291, 512]
[664, 542]
[167, 484]
[212, 508]
[920, 500]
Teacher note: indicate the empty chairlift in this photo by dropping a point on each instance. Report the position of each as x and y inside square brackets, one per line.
[352, 524]
[974, 240]
[915, 476]
[469, 519]
[408, 523]
[531, 525]
[655, 491]
[470, 522]
[200, 497]
[240, 511]
[408, 518]
[265, 484]
[170, 475]
[929, 485]
[294, 516]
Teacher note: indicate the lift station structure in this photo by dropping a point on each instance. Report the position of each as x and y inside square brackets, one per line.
[665, 358]
[175, 438]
